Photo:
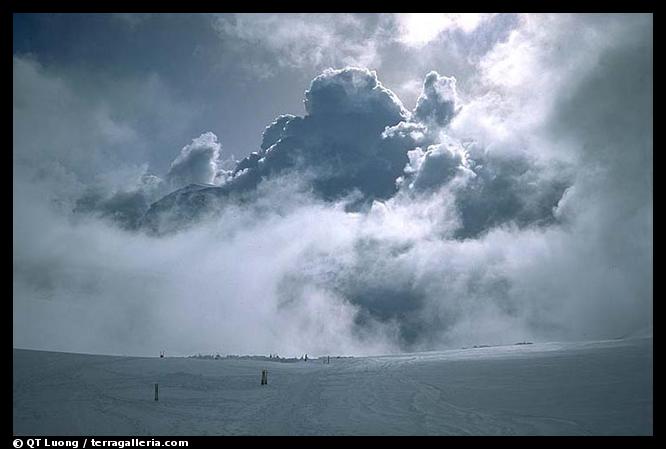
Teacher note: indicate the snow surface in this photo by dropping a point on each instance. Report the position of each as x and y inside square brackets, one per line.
[598, 388]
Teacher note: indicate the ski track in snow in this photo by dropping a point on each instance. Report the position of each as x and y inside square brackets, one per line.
[588, 388]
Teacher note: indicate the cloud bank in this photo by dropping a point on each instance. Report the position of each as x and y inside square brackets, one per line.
[362, 227]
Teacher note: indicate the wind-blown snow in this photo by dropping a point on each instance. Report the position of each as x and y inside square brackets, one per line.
[582, 388]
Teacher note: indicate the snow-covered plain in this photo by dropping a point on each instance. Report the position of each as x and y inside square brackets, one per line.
[583, 388]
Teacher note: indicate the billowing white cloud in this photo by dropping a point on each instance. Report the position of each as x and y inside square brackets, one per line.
[437, 165]
[197, 163]
[438, 101]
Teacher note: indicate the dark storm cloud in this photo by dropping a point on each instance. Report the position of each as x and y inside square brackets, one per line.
[356, 138]
[437, 165]
[510, 189]
[273, 133]
[337, 146]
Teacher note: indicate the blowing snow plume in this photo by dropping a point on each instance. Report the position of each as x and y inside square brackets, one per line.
[491, 215]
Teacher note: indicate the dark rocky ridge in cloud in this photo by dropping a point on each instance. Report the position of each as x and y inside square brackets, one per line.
[125, 208]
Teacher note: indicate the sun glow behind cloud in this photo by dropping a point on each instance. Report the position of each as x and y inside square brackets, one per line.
[418, 29]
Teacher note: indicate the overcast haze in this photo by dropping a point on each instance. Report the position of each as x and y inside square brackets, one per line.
[346, 183]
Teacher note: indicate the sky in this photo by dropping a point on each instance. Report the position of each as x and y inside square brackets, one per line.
[330, 183]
